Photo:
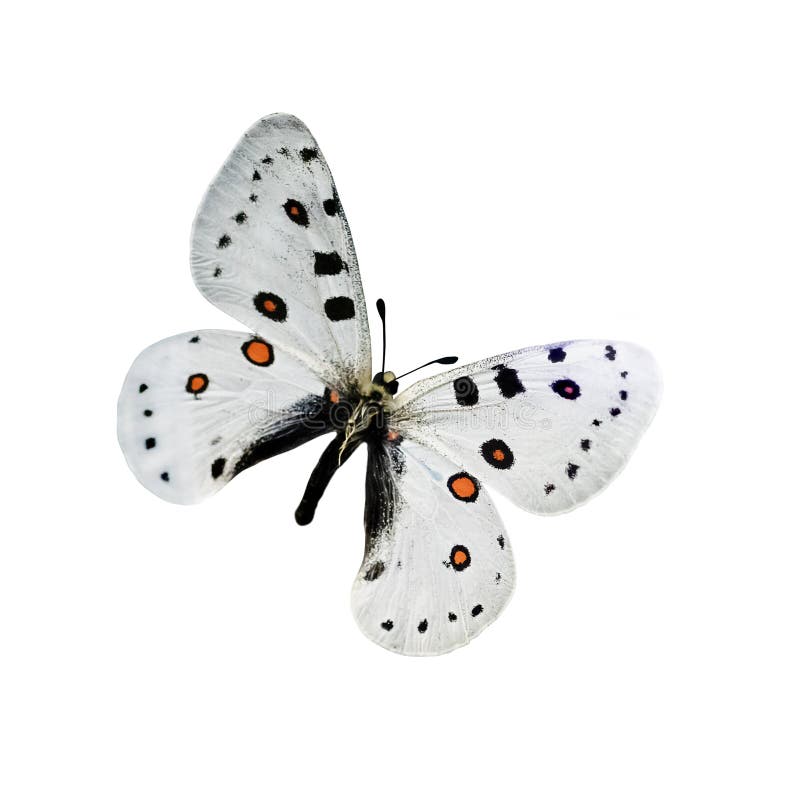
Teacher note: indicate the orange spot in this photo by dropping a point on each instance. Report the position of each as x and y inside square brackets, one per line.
[270, 305]
[334, 396]
[499, 455]
[258, 352]
[392, 436]
[459, 557]
[197, 383]
[294, 211]
[463, 487]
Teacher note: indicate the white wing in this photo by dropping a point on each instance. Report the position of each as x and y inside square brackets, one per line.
[547, 426]
[437, 567]
[197, 408]
[272, 248]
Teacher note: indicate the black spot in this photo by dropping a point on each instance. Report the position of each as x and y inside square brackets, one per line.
[216, 440]
[460, 558]
[270, 306]
[451, 616]
[624, 374]
[508, 381]
[423, 626]
[477, 610]
[374, 571]
[615, 412]
[194, 340]
[223, 242]
[308, 153]
[597, 423]
[217, 467]
[549, 487]
[466, 391]
[566, 388]
[331, 206]
[165, 477]
[556, 355]
[388, 625]
[497, 453]
[217, 272]
[623, 395]
[256, 175]
[572, 471]
[611, 353]
[266, 160]
[150, 443]
[240, 218]
[586, 444]
[142, 387]
[284, 151]
[253, 198]
[339, 308]
[498, 577]
[328, 264]
[296, 212]
[148, 412]
[501, 541]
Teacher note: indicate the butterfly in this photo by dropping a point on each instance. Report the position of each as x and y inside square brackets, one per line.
[547, 426]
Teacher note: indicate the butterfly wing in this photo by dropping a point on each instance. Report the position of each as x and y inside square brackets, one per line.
[198, 408]
[547, 426]
[271, 247]
[437, 567]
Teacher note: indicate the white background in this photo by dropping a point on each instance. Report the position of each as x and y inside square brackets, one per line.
[625, 170]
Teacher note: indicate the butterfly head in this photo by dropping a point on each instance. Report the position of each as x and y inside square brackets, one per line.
[386, 381]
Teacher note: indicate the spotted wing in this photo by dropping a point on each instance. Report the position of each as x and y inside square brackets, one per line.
[198, 408]
[547, 426]
[272, 248]
[437, 567]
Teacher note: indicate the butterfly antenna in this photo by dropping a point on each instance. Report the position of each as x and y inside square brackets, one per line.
[443, 360]
[382, 312]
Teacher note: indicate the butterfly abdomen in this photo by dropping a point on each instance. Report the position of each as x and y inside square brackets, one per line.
[356, 419]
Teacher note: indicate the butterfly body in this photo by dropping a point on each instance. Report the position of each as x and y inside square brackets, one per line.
[547, 426]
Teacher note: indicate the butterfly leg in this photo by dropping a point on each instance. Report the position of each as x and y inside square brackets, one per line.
[334, 455]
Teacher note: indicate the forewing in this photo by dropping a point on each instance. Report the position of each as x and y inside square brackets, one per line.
[438, 566]
[547, 426]
[197, 408]
[272, 248]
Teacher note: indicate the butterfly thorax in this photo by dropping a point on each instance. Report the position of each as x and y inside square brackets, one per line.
[369, 411]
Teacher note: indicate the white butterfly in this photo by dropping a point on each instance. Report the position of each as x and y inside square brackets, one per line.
[547, 426]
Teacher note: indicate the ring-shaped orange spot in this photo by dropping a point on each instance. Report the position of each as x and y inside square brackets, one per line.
[463, 487]
[460, 558]
[197, 383]
[271, 306]
[258, 352]
[498, 454]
